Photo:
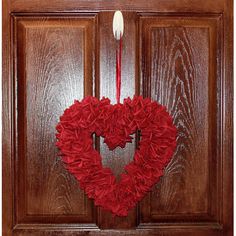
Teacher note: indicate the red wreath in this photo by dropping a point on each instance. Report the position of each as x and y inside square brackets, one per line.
[116, 123]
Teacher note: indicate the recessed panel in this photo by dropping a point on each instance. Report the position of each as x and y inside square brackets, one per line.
[55, 63]
[179, 71]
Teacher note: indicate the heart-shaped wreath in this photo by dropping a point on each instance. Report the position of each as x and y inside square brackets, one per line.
[116, 123]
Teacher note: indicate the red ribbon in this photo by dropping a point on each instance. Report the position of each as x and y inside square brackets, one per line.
[118, 69]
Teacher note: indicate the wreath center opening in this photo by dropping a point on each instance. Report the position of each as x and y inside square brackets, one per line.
[117, 158]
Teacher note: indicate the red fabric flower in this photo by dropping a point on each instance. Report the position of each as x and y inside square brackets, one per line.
[116, 123]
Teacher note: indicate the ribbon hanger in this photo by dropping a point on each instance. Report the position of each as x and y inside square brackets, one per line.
[118, 30]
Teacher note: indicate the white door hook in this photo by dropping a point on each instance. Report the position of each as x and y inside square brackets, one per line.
[118, 25]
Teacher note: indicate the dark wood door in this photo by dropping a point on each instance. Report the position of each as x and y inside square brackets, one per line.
[179, 53]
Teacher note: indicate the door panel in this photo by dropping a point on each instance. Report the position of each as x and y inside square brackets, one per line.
[54, 66]
[176, 53]
[179, 71]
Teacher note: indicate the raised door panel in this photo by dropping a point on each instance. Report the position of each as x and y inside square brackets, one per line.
[180, 58]
[54, 64]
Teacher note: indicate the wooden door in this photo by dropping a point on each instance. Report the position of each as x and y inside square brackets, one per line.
[179, 53]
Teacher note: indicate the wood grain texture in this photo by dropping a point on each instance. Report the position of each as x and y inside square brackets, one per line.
[61, 50]
[54, 67]
[121, 233]
[7, 128]
[180, 61]
[183, 66]
[138, 5]
[226, 95]
[164, 230]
